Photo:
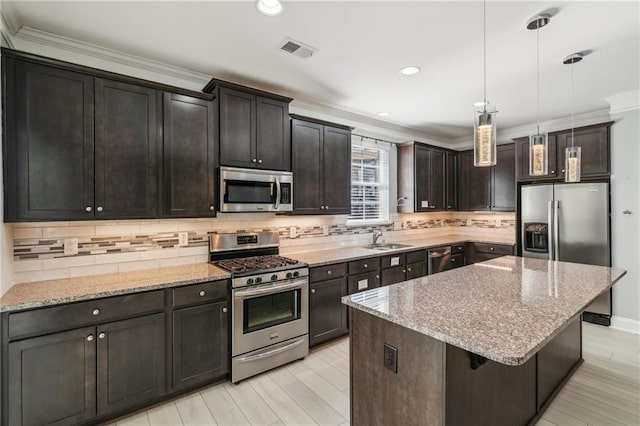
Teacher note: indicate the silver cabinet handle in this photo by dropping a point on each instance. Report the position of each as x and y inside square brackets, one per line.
[254, 160]
[404, 271]
[321, 207]
[202, 293]
[432, 207]
[377, 277]
[627, 212]
[366, 266]
[101, 336]
[225, 310]
[99, 209]
[313, 290]
[88, 208]
[326, 207]
[491, 248]
[90, 338]
[96, 312]
[212, 208]
[409, 269]
[329, 272]
[553, 171]
[259, 161]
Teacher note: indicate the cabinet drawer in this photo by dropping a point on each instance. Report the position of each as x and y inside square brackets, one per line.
[457, 249]
[499, 249]
[416, 256]
[364, 265]
[328, 272]
[41, 321]
[393, 260]
[457, 260]
[199, 293]
[362, 282]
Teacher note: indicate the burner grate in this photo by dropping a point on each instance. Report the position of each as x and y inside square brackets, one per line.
[255, 263]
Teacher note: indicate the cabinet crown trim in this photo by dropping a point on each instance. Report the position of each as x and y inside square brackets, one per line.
[215, 83]
[322, 122]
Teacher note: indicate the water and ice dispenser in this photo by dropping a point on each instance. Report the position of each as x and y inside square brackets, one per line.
[536, 237]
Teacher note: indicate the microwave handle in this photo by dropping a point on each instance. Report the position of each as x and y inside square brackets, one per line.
[277, 204]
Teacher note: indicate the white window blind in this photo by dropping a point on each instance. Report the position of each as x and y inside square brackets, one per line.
[369, 180]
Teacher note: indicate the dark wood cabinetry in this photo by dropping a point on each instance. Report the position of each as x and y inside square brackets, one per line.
[328, 316]
[593, 140]
[423, 178]
[400, 267]
[321, 166]
[253, 127]
[451, 181]
[189, 156]
[479, 252]
[488, 188]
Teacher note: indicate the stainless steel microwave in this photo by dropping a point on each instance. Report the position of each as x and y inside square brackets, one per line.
[252, 190]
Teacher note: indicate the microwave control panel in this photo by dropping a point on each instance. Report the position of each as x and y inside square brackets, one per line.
[285, 193]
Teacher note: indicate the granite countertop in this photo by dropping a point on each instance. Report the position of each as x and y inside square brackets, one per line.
[505, 309]
[343, 254]
[46, 293]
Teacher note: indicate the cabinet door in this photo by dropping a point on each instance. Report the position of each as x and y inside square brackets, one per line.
[327, 314]
[273, 143]
[128, 150]
[52, 379]
[392, 275]
[237, 128]
[131, 362]
[594, 144]
[422, 178]
[475, 184]
[451, 181]
[188, 157]
[522, 160]
[437, 171]
[362, 282]
[336, 177]
[48, 143]
[307, 167]
[503, 194]
[416, 270]
[200, 344]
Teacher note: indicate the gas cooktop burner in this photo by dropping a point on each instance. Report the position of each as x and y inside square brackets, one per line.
[257, 264]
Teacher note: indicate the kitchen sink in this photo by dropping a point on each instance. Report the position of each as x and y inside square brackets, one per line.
[389, 246]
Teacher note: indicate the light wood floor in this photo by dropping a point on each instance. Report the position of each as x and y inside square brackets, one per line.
[604, 391]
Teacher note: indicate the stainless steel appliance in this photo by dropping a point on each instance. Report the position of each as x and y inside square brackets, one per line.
[252, 190]
[569, 222]
[439, 260]
[270, 302]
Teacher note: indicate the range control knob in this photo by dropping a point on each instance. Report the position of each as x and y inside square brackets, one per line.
[274, 277]
[258, 280]
[289, 275]
[249, 280]
[296, 274]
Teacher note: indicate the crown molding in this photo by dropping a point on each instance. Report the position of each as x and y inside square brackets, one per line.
[8, 24]
[45, 38]
[623, 102]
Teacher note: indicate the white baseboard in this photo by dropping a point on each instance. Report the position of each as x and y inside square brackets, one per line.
[625, 324]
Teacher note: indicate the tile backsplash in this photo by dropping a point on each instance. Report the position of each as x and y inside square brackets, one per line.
[118, 246]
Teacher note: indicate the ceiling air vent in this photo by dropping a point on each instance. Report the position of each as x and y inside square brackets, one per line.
[299, 49]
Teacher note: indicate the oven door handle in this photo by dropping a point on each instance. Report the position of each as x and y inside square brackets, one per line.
[270, 353]
[276, 288]
[277, 203]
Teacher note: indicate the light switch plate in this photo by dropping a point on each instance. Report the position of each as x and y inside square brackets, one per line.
[183, 239]
[70, 246]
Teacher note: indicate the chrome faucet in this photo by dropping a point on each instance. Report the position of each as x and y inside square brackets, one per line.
[376, 234]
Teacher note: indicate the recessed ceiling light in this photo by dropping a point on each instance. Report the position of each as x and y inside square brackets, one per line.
[384, 114]
[269, 7]
[410, 70]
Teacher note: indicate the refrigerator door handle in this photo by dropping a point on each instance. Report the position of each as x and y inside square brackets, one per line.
[550, 229]
[556, 231]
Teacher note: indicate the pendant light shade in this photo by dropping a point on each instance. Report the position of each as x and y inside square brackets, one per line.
[573, 154]
[484, 116]
[538, 143]
[484, 136]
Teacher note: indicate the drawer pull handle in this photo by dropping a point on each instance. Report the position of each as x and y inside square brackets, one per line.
[225, 310]
[88, 208]
[404, 271]
[90, 338]
[408, 269]
[202, 293]
[212, 208]
[313, 291]
[99, 209]
[377, 277]
[491, 248]
[101, 336]
[96, 312]
[366, 266]
[329, 272]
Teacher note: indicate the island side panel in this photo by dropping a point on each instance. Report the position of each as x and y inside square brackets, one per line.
[413, 396]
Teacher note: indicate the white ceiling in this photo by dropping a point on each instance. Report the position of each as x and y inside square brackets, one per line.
[362, 45]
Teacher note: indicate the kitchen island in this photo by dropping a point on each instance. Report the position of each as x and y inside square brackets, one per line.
[490, 343]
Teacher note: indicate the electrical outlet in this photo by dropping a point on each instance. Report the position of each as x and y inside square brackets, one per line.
[293, 232]
[183, 239]
[391, 358]
[325, 230]
[70, 246]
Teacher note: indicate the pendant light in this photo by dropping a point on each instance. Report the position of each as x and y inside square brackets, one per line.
[484, 117]
[538, 143]
[573, 154]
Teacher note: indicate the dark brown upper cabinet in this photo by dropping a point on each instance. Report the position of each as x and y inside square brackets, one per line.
[593, 140]
[451, 181]
[423, 184]
[488, 188]
[253, 127]
[321, 166]
[189, 156]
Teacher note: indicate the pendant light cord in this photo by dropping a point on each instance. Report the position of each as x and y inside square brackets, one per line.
[538, 77]
[484, 39]
[572, 102]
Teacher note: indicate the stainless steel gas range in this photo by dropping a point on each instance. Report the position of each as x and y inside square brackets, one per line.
[270, 302]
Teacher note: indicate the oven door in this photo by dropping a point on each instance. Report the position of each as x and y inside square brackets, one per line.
[267, 314]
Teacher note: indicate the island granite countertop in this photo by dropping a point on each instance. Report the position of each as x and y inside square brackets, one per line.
[505, 309]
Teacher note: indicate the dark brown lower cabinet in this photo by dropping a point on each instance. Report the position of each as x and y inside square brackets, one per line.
[52, 379]
[479, 252]
[416, 270]
[200, 344]
[131, 362]
[364, 281]
[392, 275]
[328, 316]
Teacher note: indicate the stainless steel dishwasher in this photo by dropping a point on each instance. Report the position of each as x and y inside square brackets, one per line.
[439, 259]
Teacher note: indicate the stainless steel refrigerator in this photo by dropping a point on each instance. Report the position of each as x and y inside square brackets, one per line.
[569, 222]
